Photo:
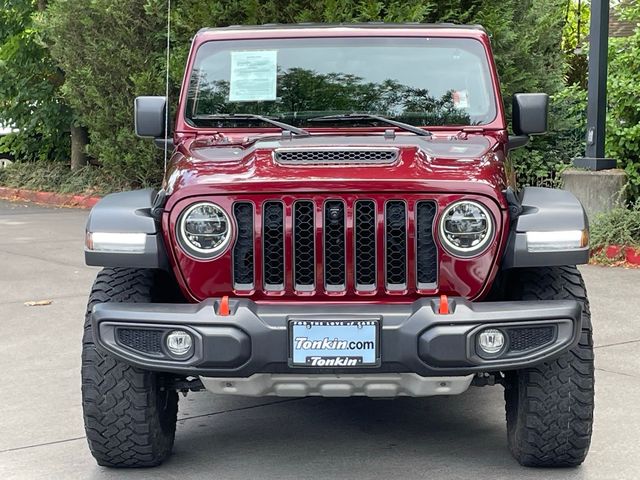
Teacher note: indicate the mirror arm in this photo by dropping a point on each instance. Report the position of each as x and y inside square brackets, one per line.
[517, 141]
[159, 142]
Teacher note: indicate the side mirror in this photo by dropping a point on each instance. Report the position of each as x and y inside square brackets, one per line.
[529, 114]
[150, 116]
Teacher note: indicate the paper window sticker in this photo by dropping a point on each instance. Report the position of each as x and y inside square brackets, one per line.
[461, 99]
[253, 76]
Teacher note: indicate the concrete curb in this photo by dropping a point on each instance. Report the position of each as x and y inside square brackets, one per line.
[48, 198]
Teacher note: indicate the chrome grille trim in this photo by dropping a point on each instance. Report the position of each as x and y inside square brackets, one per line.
[425, 245]
[365, 245]
[395, 238]
[334, 238]
[243, 257]
[304, 245]
[273, 255]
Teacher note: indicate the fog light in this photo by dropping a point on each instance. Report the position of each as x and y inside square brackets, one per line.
[179, 342]
[491, 340]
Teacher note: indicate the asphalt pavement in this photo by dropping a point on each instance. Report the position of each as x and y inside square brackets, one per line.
[42, 437]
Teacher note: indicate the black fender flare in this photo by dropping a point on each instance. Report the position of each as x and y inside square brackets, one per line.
[544, 210]
[128, 212]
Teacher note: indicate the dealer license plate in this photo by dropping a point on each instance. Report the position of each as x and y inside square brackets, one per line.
[334, 343]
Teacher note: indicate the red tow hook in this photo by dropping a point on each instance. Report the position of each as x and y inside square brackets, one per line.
[444, 305]
[223, 308]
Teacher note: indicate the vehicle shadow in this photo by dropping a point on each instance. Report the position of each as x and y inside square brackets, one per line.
[438, 437]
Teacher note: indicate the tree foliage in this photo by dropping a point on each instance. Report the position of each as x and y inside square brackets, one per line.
[623, 119]
[574, 42]
[30, 97]
[113, 50]
[304, 93]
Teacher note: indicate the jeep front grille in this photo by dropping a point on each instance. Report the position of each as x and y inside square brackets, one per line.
[334, 245]
[243, 249]
[304, 247]
[396, 244]
[365, 244]
[425, 245]
[335, 267]
[273, 245]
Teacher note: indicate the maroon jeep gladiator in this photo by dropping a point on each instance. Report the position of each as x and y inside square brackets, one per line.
[336, 220]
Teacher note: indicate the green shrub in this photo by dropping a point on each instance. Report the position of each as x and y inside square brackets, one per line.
[620, 226]
[57, 177]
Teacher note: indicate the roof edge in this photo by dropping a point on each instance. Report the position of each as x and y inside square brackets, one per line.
[372, 25]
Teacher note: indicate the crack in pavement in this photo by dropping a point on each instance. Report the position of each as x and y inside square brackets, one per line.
[55, 442]
[66, 440]
[241, 408]
[616, 344]
[616, 373]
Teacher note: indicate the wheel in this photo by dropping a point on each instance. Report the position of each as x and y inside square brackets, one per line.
[550, 407]
[129, 420]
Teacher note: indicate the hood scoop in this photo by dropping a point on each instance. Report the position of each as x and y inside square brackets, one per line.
[330, 156]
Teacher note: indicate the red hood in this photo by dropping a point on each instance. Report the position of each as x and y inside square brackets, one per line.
[445, 162]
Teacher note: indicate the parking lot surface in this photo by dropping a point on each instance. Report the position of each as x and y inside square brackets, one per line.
[42, 437]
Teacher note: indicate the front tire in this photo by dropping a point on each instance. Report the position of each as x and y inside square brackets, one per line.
[130, 421]
[549, 407]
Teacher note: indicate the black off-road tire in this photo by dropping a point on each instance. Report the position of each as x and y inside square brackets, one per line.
[550, 407]
[129, 420]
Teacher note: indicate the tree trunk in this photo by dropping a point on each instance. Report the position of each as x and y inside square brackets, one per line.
[79, 140]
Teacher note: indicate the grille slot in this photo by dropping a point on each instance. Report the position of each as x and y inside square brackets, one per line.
[342, 156]
[142, 340]
[522, 339]
[396, 245]
[273, 245]
[243, 274]
[304, 258]
[365, 245]
[334, 245]
[426, 252]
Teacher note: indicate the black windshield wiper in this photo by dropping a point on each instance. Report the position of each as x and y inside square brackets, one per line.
[366, 116]
[248, 116]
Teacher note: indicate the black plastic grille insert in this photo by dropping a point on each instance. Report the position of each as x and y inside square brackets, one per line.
[426, 252]
[142, 340]
[334, 245]
[330, 157]
[273, 245]
[243, 274]
[365, 244]
[396, 244]
[304, 245]
[522, 339]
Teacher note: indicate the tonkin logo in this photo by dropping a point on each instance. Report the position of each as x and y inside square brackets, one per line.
[334, 361]
[303, 343]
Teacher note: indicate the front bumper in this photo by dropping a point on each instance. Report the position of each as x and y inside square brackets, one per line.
[414, 338]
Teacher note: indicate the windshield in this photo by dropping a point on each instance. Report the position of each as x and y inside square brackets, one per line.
[420, 81]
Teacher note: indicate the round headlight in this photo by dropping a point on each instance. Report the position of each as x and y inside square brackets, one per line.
[465, 228]
[204, 230]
